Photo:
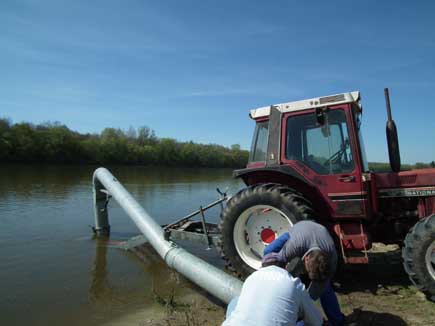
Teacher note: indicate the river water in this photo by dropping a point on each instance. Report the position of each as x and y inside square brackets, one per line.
[54, 272]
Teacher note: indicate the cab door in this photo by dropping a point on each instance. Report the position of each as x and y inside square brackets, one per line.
[324, 151]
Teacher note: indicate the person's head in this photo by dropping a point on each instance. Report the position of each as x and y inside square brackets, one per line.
[273, 259]
[318, 265]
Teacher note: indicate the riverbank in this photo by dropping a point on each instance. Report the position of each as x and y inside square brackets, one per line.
[191, 310]
[376, 294]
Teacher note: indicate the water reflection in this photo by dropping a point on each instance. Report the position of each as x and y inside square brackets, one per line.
[26, 181]
[100, 286]
[103, 290]
[53, 273]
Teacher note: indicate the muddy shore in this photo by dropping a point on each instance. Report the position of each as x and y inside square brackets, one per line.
[376, 294]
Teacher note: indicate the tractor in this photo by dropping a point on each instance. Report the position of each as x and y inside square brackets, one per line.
[308, 161]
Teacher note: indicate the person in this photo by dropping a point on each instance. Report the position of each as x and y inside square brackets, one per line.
[271, 296]
[312, 243]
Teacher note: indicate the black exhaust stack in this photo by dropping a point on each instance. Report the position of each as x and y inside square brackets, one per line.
[392, 139]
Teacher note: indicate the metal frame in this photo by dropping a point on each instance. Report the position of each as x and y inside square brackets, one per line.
[185, 229]
[213, 280]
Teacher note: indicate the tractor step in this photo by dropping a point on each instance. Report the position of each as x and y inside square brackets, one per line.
[350, 257]
[353, 237]
[356, 260]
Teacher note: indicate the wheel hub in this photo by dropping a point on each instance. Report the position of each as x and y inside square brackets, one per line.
[267, 235]
[255, 228]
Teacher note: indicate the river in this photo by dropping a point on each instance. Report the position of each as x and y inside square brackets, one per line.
[54, 272]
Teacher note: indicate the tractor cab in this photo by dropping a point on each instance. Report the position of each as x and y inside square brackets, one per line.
[315, 142]
[325, 142]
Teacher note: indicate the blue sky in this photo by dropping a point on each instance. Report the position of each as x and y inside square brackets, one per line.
[191, 70]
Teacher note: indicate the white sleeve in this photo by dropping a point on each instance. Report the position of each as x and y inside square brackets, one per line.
[308, 311]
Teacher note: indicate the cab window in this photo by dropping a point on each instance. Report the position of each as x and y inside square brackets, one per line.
[324, 148]
[259, 142]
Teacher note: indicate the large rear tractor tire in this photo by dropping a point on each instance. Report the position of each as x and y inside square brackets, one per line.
[253, 218]
[418, 256]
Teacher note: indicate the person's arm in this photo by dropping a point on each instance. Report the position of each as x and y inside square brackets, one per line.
[316, 289]
[308, 311]
[277, 244]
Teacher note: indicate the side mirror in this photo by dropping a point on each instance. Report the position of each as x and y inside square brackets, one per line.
[320, 116]
[326, 131]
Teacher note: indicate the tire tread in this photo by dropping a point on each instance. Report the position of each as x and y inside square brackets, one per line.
[299, 204]
[413, 255]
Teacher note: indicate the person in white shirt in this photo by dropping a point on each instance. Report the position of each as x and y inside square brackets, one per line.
[271, 296]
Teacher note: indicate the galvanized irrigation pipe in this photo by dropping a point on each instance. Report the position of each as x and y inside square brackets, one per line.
[213, 280]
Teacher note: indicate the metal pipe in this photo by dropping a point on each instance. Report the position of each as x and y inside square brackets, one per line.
[387, 102]
[101, 198]
[213, 280]
[392, 138]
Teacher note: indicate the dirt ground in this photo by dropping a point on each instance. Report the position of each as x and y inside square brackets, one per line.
[381, 293]
[375, 294]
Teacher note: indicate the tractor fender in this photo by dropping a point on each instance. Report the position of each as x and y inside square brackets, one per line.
[285, 175]
[252, 175]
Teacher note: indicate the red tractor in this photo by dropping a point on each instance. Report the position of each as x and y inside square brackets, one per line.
[308, 161]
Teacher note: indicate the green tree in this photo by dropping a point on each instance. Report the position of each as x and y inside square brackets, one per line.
[420, 165]
[131, 133]
[189, 154]
[235, 147]
[54, 142]
[114, 146]
[24, 145]
[146, 136]
[168, 152]
[5, 139]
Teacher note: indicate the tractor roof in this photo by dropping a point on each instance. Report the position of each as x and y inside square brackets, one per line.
[307, 104]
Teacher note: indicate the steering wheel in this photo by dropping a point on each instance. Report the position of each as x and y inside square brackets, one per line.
[337, 155]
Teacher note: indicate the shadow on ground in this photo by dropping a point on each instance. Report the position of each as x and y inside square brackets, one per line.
[384, 271]
[381, 293]
[361, 317]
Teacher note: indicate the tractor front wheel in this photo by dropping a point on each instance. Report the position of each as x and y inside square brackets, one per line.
[419, 256]
[255, 217]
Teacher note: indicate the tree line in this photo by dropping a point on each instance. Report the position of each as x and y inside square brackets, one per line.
[385, 167]
[56, 143]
